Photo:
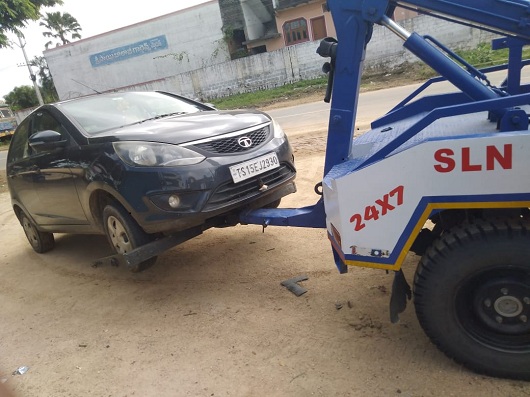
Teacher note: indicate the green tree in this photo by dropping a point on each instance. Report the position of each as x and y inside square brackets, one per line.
[60, 26]
[47, 87]
[15, 13]
[22, 97]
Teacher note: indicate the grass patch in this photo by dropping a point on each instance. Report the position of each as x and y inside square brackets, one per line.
[264, 97]
[371, 80]
[482, 56]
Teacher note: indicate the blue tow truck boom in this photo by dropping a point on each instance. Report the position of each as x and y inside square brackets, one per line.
[444, 176]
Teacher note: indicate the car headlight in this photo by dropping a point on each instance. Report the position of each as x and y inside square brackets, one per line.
[278, 131]
[149, 154]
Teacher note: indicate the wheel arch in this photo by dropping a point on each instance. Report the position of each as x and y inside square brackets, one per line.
[98, 200]
[18, 209]
[447, 219]
[96, 195]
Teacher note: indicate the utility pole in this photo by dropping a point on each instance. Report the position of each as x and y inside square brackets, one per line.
[31, 75]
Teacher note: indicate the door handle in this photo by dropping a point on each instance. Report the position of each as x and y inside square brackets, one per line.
[31, 171]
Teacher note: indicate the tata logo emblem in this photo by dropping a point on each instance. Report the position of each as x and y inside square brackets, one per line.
[245, 142]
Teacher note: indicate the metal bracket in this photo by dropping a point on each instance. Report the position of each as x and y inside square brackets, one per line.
[149, 250]
[291, 285]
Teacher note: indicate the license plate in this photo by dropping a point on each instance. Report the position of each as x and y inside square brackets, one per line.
[253, 167]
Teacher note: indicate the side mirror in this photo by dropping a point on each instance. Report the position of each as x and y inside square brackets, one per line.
[46, 140]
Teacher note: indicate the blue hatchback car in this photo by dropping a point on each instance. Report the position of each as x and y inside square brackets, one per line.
[140, 165]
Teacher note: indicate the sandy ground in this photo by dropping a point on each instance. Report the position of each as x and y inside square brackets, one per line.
[211, 319]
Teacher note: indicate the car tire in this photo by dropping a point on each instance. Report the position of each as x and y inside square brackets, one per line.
[124, 234]
[41, 242]
[472, 296]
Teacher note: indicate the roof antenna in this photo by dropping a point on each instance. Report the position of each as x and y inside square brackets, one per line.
[84, 85]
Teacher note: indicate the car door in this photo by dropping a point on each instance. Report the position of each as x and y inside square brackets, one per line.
[48, 171]
[21, 169]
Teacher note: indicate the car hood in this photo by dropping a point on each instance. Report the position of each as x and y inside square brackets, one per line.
[186, 127]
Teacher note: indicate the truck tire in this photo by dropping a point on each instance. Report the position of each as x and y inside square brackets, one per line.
[41, 242]
[124, 234]
[472, 296]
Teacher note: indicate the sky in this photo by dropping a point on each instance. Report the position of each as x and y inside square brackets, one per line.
[94, 17]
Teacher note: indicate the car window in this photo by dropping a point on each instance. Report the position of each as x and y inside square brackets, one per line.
[104, 112]
[37, 122]
[43, 121]
[19, 148]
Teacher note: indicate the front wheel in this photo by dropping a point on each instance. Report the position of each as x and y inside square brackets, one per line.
[472, 296]
[124, 234]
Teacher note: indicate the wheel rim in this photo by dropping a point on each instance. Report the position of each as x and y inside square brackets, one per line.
[30, 231]
[494, 308]
[118, 235]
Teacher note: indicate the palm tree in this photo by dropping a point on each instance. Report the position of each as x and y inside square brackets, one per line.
[60, 26]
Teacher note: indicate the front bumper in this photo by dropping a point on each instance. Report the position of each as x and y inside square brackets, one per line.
[207, 191]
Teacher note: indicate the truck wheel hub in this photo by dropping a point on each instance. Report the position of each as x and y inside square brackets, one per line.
[503, 306]
[508, 306]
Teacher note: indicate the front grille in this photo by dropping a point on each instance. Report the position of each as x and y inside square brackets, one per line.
[238, 191]
[231, 145]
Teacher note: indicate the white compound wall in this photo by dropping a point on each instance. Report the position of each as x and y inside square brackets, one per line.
[193, 60]
[145, 52]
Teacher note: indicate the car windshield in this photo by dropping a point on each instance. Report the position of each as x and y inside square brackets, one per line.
[104, 112]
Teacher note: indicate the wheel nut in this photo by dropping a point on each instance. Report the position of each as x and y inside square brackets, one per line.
[487, 303]
[523, 318]
[526, 300]
[504, 291]
[499, 319]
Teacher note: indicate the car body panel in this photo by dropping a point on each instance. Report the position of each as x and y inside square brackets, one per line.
[188, 127]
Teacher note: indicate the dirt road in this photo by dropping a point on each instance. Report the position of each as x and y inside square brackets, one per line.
[211, 319]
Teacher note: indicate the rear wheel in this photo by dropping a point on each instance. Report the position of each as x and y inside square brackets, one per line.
[41, 242]
[472, 296]
[124, 234]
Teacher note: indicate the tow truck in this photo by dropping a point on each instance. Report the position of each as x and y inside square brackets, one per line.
[444, 176]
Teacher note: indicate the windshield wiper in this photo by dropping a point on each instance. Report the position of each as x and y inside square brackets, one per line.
[161, 116]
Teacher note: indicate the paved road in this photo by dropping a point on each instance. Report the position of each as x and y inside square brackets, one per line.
[3, 157]
[314, 116]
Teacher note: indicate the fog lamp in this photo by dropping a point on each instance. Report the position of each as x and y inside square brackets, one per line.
[174, 201]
